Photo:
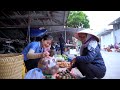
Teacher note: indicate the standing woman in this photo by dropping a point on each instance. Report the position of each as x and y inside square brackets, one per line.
[90, 62]
[36, 50]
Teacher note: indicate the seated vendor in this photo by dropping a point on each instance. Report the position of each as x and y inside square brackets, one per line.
[36, 50]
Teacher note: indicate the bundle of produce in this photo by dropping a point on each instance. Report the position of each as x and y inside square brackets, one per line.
[65, 75]
[65, 57]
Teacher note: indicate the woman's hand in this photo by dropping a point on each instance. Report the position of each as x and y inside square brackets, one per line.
[73, 61]
[45, 54]
[71, 64]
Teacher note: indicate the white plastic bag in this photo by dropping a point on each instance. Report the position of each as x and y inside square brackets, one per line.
[59, 58]
[35, 73]
[48, 65]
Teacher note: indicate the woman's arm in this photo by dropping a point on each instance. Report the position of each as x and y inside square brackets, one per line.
[88, 58]
[92, 53]
[32, 55]
[93, 50]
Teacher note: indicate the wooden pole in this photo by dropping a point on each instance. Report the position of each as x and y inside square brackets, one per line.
[29, 21]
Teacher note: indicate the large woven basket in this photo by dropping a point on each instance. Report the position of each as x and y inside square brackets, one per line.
[11, 66]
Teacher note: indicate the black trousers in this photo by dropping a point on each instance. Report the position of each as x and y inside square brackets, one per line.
[90, 70]
[62, 48]
[31, 63]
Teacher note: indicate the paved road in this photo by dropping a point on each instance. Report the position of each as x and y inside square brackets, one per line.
[112, 61]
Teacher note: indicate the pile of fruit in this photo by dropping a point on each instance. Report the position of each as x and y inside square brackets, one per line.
[63, 64]
[65, 75]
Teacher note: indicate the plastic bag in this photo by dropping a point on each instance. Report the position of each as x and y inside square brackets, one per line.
[48, 65]
[59, 58]
[35, 73]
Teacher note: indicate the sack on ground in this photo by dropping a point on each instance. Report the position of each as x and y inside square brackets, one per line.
[35, 73]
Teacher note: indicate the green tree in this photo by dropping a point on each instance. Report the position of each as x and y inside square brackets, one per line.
[77, 19]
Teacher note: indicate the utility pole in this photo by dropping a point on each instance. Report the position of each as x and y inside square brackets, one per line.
[65, 33]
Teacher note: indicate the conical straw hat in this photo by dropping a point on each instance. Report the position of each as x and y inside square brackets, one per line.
[87, 31]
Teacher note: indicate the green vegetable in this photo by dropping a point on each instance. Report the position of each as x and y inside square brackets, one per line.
[65, 57]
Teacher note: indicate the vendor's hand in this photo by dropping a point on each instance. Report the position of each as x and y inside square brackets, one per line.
[69, 68]
[45, 54]
[71, 64]
[73, 61]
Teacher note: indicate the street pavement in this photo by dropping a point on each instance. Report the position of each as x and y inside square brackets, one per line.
[112, 62]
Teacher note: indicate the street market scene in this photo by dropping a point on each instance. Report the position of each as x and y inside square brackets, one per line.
[58, 45]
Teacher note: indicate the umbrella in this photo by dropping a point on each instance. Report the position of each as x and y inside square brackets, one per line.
[37, 32]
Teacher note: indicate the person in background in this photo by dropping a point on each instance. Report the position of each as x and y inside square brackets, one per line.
[90, 62]
[36, 50]
[116, 46]
[57, 47]
[68, 41]
[62, 43]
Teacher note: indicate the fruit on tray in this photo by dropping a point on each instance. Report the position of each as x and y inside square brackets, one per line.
[65, 75]
[63, 64]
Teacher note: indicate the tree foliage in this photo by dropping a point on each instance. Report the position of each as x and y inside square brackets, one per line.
[77, 19]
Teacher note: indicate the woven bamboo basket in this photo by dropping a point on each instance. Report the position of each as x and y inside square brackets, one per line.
[11, 66]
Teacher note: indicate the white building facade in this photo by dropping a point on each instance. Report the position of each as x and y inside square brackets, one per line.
[111, 36]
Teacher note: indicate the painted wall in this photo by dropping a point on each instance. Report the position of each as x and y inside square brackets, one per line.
[110, 38]
[107, 40]
[117, 35]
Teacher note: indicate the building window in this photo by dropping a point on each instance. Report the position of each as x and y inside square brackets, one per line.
[117, 26]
